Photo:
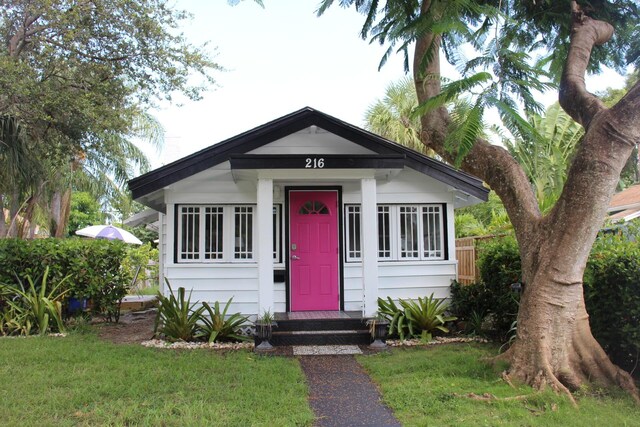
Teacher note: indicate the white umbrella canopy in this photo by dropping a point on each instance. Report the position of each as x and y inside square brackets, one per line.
[108, 232]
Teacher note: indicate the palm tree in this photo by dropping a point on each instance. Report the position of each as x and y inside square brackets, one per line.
[546, 156]
[392, 117]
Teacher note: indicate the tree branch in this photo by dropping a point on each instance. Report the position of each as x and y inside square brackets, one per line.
[586, 33]
[489, 162]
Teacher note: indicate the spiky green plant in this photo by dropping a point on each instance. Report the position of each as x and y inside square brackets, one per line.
[216, 326]
[34, 306]
[177, 319]
[415, 318]
[426, 316]
[396, 317]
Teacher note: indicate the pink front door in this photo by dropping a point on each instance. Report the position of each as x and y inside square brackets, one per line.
[313, 250]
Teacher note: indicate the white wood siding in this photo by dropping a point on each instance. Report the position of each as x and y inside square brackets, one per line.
[219, 282]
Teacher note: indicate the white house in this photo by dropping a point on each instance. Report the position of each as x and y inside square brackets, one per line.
[307, 213]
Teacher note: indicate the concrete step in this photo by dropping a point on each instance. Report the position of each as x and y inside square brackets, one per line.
[321, 337]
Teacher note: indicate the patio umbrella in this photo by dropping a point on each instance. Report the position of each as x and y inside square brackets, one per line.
[108, 232]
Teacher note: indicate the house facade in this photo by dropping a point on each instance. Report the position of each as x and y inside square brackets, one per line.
[307, 213]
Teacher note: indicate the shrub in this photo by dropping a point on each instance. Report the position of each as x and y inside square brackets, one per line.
[492, 298]
[93, 267]
[612, 298]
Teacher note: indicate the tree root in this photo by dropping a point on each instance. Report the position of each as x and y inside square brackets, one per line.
[488, 397]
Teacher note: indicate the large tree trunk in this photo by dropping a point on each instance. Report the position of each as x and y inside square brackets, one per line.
[554, 345]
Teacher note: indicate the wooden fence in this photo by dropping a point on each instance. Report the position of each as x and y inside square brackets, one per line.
[467, 256]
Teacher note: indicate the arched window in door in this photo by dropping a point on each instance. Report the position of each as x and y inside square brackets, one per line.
[313, 207]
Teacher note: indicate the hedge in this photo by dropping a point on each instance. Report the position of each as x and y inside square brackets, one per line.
[94, 267]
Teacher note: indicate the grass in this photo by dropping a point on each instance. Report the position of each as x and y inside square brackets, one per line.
[149, 290]
[81, 380]
[426, 387]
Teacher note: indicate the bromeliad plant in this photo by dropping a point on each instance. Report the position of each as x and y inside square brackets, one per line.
[33, 307]
[177, 319]
[217, 327]
[416, 318]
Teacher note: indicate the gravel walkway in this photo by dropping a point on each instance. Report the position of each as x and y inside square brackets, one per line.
[342, 394]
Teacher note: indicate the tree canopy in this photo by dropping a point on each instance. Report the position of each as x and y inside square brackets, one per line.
[76, 76]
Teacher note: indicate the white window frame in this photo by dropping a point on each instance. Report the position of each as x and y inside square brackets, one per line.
[395, 250]
[228, 234]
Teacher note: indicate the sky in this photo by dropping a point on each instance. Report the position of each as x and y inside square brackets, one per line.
[279, 59]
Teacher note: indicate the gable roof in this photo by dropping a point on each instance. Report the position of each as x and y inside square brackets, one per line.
[287, 125]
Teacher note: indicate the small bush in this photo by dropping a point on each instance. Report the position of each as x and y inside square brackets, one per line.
[492, 299]
[612, 298]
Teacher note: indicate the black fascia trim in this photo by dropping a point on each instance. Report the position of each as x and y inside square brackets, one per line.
[310, 161]
[287, 125]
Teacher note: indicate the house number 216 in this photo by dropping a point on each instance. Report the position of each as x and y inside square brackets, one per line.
[314, 163]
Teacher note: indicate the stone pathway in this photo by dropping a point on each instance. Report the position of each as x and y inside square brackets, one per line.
[325, 350]
[342, 394]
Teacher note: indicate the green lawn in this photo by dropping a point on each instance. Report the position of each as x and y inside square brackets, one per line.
[80, 380]
[426, 387]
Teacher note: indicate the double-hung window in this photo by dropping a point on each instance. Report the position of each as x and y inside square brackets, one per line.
[405, 232]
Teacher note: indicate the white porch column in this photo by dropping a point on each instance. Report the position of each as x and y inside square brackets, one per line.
[264, 235]
[369, 235]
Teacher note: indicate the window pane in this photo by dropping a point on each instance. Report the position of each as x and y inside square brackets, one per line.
[409, 232]
[213, 233]
[243, 218]
[384, 235]
[314, 207]
[354, 249]
[189, 232]
[432, 232]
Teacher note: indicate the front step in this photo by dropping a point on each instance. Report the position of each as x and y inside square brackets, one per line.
[347, 331]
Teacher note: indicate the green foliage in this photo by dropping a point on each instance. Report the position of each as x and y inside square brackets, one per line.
[33, 306]
[546, 156]
[398, 323]
[491, 298]
[416, 318]
[393, 118]
[177, 319]
[612, 296]
[94, 268]
[85, 211]
[138, 257]
[216, 326]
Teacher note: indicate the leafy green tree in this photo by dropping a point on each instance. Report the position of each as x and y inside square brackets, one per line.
[77, 77]
[554, 345]
[85, 211]
[392, 117]
[546, 157]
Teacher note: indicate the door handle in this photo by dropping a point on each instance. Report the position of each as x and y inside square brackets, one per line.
[295, 257]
